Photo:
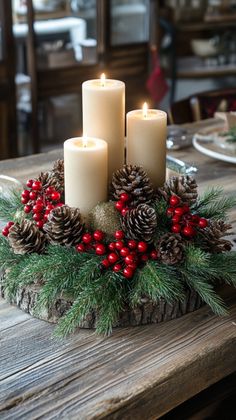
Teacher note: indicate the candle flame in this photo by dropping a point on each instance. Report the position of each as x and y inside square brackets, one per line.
[103, 79]
[145, 110]
[85, 142]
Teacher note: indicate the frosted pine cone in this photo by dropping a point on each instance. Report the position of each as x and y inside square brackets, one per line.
[171, 249]
[185, 187]
[133, 180]
[140, 223]
[26, 238]
[64, 226]
[212, 237]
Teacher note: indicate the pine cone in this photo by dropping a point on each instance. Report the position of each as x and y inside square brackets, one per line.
[134, 181]
[49, 179]
[185, 187]
[140, 223]
[212, 237]
[64, 226]
[58, 171]
[171, 248]
[26, 238]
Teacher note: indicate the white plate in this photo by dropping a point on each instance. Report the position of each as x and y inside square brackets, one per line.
[207, 146]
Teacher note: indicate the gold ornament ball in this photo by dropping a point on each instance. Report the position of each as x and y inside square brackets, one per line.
[105, 217]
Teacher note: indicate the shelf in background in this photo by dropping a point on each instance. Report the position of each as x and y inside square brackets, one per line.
[195, 67]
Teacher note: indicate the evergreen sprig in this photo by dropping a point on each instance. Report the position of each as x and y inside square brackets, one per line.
[10, 205]
[213, 204]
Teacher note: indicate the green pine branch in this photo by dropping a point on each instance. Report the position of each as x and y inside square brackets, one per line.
[213, 204]
[10, 205]
[160, 206]
[157, 281]
[224, 266]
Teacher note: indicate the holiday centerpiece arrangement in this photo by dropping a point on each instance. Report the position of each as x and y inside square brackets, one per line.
[142, 251]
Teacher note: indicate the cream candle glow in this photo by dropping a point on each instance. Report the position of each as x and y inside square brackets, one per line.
[85, 162]
[146, 142]
[103, 116]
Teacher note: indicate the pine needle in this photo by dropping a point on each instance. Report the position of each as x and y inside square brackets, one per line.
[157, 281]
[10, 204]
[213, 204]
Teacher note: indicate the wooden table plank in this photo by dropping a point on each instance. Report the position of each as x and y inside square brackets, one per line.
[139, 372]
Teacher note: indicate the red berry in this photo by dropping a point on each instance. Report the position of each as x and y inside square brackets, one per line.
[33, 195]
[186, 209]
[87, 238]
[49, 191]
[128, 272]
[50, 207]
[195, 219]
[113, 257]
[179, 211]
[80, 247]
[154, 254]
[40, 224]
[45, 218]
[105, 263]
[100, 249]
[133, 265]
[98, 235]
[124, 211]
[119, 245]
[124, 251]
[132, 244]
[36, 186]
[175, 218]
[176, 228]
[203, 223]
[25, 194]
[188, 231]
[24, 200]
[29, 183]
[55, 196]
[174, 200]
[144, 257]
[119, 205]
[27, 209]
[119, 234]
[38, 207]
[5, 231]
[117, 267]
[59, 204]
[37, 216]
[9, 225]
[112, 246]
[124, 197]
[130, 259]
[170, 211]
[142, 246]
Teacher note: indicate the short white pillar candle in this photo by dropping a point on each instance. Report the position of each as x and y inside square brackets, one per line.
[146, 142]
[85, 172]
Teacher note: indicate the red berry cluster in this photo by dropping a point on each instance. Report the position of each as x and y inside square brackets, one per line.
[122, 204]
[121, 255]
[5, 230]
[40, 201]
[183, 221]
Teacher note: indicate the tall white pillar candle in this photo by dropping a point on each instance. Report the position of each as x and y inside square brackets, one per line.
[103, 117]
[85, 162]
[146, 142]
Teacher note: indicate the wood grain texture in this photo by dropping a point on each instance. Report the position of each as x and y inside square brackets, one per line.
[143, 314]
[139, 372]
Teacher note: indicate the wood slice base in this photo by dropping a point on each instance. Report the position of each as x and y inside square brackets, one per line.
[145, 313]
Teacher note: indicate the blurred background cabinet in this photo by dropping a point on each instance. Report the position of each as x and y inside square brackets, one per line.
[8, 127]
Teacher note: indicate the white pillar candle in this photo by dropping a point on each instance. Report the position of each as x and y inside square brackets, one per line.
[146, 142]
[103, 117]
[85, 162]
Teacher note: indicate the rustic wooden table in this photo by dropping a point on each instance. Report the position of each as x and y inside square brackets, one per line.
[137, 373]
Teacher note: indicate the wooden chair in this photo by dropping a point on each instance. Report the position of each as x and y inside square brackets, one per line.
[202, 105]
[8, 121]
[129, 63]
